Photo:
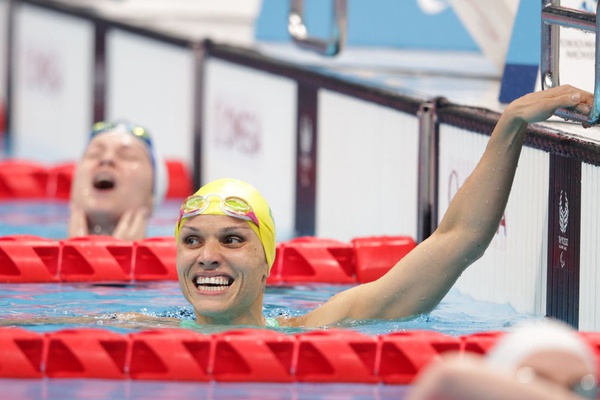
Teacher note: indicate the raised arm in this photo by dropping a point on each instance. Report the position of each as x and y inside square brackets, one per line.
[418, 282]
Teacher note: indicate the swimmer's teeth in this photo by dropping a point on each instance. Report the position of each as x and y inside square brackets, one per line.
[215, 282]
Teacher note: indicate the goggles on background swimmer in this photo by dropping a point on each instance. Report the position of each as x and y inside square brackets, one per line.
[587, 387]
[138, 131]
[233, 206]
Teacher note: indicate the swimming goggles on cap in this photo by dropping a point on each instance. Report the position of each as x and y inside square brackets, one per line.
[233, 206]
[138, 131]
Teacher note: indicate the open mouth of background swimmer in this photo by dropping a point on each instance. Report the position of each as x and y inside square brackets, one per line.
[104, 181]
[213, 283]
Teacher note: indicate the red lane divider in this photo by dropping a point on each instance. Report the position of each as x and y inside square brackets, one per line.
[593, 339]
[375, 255]
[253, 355]
[60, 177]
[336, 356]
[404, 354]
[170, 354]
[27, 258]
[23, 179]
[96, 259]
[481, 343]
[155, 259]
[180, 180]
[21, 353]
[242, 355]
[310, 259]
[86, 353]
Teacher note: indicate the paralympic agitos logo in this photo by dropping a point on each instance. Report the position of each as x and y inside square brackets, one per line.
[563, 223]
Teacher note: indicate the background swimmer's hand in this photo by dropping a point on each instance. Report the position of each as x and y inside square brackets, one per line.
[78, 225]
[132, 224]
[539, 106]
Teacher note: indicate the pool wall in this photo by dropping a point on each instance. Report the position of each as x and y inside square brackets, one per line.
[377, 124]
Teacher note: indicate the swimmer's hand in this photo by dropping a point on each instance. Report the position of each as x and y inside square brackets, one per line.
[78, 225]
[541, 105]
[132, 224]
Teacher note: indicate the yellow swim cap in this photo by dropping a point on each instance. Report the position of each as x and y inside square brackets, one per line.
[237, 199]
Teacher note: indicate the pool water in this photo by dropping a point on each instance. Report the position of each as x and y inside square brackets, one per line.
[456, 315]
[49, 219]
[135, 390]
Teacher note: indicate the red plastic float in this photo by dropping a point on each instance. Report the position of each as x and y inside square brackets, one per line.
[21, 353]
[376, 255]
[86, 353]
[336, 356]
[253, 355]
[26, 258]
[60, 177]
[22, 180]
[154, 259]
[311, 259]
[96, 258]
[180, 181]
[480, 343]
[403, 354]
[170, 354]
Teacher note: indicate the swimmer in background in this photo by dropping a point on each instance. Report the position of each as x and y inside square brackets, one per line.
[117, 183]
[226, 238]
[543, 360]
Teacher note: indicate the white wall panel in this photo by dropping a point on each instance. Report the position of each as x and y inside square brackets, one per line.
[249, 133]
[152, 83]
[367, 167]
[52, 100]
[3, 49]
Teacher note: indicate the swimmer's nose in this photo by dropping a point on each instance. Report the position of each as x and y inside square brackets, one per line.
[107, 157]
[209, 256]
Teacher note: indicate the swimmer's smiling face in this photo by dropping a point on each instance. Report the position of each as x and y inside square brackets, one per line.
[222, 269]
[114, 174]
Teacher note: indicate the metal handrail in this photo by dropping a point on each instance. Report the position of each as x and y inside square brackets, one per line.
[553, 17]
[329, 47]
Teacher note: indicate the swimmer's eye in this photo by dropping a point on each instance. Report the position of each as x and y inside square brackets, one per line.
[129, 154]
[92, 153]
[191, 241]
[233, 240]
